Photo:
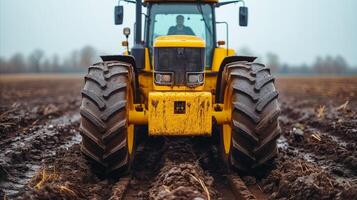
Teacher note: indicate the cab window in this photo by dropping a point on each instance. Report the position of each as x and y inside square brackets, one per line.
[182, 19]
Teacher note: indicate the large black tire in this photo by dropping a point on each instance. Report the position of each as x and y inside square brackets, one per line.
[104, 125]
[255, 111]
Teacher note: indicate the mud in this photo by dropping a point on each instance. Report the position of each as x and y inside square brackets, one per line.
[41, 159]
[148, 162]
[38, 117]
[27, 101]
[181, 177]
[68, 176]
[23, 156]
[297, 178]
[317, 148]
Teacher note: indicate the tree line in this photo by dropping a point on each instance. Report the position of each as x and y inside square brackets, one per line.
[322, 65]
[39, 62]
[79, 60]
[334, 65]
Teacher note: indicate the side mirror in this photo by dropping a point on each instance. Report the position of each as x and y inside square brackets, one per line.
[118, 15]
[243, 16]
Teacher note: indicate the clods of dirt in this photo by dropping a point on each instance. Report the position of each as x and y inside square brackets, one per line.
[317, 150]
[29, 101]
[249, 180]
[68, 176]
[297, 179]
[181, 177]
[24, 154]
[183, 181]
[331, 148]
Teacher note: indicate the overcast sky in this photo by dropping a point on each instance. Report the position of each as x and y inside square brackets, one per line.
[297, 31]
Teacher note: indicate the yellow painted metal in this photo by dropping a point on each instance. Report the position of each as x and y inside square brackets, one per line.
[227, 138]
[130, 128]
[147, 85]
[222, 117]
[164, 1]
[141, 117]
[145, 77]
[147, 60]
[130, 138]
[227, 128]
[138, 117]
[179, 41]
[219, 55]
[162, 120]
[196, 120]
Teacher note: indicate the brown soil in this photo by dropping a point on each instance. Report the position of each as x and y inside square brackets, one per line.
[181, 177]
[38, 117]
[40, 156]
[28, 100]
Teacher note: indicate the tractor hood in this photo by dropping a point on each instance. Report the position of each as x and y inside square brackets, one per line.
[179, 41]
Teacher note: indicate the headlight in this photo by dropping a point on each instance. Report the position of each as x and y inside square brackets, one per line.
[195, 78]
[164, 78]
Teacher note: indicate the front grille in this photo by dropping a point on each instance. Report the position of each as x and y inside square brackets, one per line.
[179, 61]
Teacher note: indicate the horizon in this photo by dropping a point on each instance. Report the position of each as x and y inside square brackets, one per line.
[279, 29]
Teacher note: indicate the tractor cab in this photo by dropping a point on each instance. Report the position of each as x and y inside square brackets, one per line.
[175, 19]
[179, 18]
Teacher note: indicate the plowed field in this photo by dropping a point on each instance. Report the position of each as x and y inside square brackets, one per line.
[40, 156]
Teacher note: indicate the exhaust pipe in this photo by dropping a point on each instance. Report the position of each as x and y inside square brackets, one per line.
[138, 50]
[138, 22]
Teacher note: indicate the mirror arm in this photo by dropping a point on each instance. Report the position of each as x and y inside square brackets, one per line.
[217, 5]
[127, 47]
[145, 15]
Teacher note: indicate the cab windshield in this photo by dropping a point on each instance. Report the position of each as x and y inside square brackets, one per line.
[182, 19]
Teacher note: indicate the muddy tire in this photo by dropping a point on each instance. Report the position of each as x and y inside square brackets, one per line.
[254, 128]
[104, 127]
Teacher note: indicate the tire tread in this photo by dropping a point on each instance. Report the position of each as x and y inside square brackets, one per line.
[104, 136]
[255, 115]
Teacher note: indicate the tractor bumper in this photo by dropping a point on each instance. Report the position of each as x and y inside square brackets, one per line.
[180, 113]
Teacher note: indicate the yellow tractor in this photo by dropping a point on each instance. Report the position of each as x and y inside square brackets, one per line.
[178, 80]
